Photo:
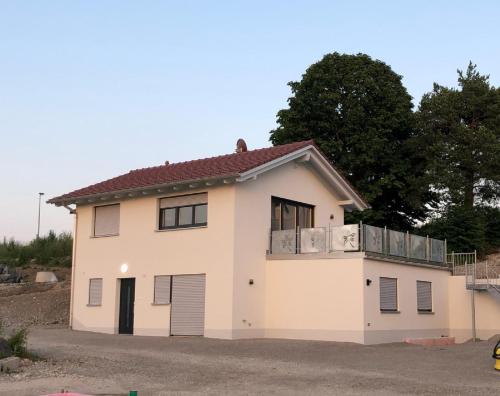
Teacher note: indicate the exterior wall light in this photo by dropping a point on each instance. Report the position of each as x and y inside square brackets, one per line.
[368, 282]
[124, 268]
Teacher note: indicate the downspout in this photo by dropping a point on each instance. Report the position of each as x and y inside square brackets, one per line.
[73, 263]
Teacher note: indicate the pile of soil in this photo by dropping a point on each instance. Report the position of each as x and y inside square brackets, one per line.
[34, 304]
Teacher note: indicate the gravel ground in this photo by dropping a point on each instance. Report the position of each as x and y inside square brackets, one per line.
[34, 304]
[112, 364]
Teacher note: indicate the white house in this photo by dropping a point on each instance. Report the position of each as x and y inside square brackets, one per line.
[253, 244]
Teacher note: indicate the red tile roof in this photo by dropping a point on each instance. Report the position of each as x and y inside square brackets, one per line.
[207, 168]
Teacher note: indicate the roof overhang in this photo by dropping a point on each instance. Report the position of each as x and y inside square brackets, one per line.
[350, 199]
[166, 188]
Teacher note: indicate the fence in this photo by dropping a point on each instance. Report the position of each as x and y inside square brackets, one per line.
[359, 237]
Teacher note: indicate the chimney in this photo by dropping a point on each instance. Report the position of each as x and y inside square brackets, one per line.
[241, 146]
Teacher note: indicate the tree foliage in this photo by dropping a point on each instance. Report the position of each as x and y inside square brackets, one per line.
[460, 132]
[53, 250]
[360, 115]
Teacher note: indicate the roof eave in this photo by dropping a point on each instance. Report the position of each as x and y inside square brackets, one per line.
[144, 191]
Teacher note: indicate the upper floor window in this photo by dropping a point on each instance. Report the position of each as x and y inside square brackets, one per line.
[287, 215]
[183, 211]
[107, 220]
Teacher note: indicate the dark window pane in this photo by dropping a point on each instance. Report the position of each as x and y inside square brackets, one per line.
[186, 215]
[168, 219]
[305, 217]
[200, 214]
[288, 216]
[275, 215]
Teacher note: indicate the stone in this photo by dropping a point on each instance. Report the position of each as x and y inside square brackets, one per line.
[10, 364]
[45, 276]
[5, 350]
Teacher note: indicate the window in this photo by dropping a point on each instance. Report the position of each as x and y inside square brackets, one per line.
[95, 292]
[183, 211]
[162, 289]
[287, 215]
[106, 220]
[388, 295]
[424, 296]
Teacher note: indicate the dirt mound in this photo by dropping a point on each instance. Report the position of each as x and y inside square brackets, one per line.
[34, 304]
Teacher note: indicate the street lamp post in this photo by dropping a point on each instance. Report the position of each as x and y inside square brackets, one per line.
[39, 207]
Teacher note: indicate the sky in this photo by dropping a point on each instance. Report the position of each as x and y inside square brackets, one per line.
[92, 89]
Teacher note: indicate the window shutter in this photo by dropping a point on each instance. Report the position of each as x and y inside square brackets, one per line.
[184, 200]
[388, 294]
[107, 220]
[95, 292]
[424, 296]
[162, 289]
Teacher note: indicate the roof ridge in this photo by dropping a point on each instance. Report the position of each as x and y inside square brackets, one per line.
[216, 157]
[197, 169]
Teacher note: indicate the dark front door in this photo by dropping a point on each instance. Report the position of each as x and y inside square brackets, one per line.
[127, 297]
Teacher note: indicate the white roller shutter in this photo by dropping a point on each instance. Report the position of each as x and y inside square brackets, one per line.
[184, 200]
[188, 305]
[95, 292]
[388, 294]
[162, 289]
[424, 296]
[107, 220]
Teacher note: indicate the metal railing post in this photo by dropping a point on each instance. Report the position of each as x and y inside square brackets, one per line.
[385, 249]
[361, 237]
[445, 252]
[407, 244]
[428, 249]
[297, 240]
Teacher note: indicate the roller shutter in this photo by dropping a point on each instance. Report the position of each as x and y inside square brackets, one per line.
[95, 292]
[107, 220]
[188, 305]
[388, 294]
[424, 296]
[162, 289]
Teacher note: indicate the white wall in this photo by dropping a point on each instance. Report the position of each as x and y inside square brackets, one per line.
[148, 253]
[460, 306]
[408, 322]
[315, 299]
[295, 181]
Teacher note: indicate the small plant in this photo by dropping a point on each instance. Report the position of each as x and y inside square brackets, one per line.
[19, 343]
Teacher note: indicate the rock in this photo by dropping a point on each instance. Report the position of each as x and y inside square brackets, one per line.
[45, 276]
[5, 350]
[10, 364]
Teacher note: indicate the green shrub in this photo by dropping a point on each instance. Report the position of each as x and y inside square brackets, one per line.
[19, 343]
[54, 250]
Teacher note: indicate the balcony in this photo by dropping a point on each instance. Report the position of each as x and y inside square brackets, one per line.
[373, 241]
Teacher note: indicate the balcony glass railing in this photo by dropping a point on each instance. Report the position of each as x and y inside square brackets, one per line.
[359, 237]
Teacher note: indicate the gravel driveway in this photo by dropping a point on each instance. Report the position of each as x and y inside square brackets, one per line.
[111, 364]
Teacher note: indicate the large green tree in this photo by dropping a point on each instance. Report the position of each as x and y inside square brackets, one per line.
[360, 115]
[460, 132]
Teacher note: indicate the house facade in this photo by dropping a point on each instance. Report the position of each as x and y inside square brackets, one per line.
[245, 245]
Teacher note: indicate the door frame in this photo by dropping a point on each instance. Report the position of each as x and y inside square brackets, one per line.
[120, 281]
